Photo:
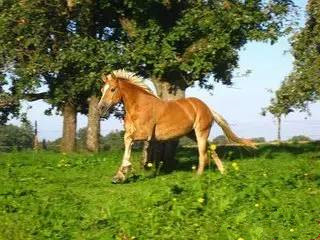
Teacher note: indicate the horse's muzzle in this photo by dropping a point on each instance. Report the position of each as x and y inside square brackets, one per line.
[103, 108]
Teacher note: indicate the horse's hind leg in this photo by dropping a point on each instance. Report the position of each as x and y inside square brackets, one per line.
[202, 137]
[146, 156]
[217, 160]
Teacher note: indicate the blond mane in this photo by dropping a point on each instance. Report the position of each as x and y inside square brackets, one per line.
[132, 78]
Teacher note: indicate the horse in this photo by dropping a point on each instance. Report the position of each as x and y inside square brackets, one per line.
[148, 118]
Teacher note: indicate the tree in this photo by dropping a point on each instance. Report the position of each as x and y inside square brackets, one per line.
[64, 44]
[14, 137]
[186, 142]
[178, 43]
[302, 86]
[8, 105]
[279, 107]
[258, 140]
[300, 138]
[32, 37]
[63, 47]
[112, 140]
[220, 140]
[92, 21]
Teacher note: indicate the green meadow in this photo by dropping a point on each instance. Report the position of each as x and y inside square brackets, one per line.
[270, 193]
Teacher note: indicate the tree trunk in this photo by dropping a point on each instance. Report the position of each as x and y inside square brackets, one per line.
[68, 143]
[163, 153]
[279, 129]
[93, 128]
[35, 137]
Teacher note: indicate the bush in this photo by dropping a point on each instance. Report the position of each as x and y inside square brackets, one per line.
[258, 140]
[113, 140]
[220, 140]
[187, 142]
[300, 138]
[15, 137]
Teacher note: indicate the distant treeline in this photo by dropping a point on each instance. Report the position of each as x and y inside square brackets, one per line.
[16, 137]
[22, 137]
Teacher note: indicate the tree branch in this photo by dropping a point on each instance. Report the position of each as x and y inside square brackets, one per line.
[35, 96]
[8, 101]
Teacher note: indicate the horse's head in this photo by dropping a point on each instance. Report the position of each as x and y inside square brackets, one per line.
[110, 93]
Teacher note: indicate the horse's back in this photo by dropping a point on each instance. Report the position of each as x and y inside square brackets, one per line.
[176, 118]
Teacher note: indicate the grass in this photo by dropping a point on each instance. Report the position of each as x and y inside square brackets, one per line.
[273, 193]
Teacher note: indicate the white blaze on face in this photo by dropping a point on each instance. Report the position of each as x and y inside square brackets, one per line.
[105, 89]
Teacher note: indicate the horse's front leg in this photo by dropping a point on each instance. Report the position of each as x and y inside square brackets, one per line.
[126, 165]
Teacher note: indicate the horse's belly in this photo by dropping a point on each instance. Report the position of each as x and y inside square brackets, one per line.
[170, 131]
[177, 119]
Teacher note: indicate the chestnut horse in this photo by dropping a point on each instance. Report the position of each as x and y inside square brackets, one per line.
[149, 118]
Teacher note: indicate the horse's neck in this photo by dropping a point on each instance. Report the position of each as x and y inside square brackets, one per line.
[134, 97]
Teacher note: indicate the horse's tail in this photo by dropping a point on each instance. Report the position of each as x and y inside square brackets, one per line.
[228, 132]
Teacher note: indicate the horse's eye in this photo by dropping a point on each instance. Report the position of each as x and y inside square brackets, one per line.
[112, 89]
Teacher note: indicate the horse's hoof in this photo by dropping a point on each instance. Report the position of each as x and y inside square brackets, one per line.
[116, 180]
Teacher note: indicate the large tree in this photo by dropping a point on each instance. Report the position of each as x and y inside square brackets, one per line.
[176, 43]
[94, 50]
[33, 34]
[61, 46]
[302, 86]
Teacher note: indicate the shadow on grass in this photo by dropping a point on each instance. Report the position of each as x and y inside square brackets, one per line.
[188, 157]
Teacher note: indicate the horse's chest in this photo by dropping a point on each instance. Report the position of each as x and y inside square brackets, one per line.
[139, 127]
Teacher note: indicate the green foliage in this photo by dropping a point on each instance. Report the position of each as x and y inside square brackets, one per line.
[258, 140]
[55, 196]
[185, 41]
[64, 47]
[113, 140]
[14, 137]
[81, 138]
[54, 145]
[302, 86]
[186, 142]
[300, 138]
[50, 44]
[221, 139]
[9, 107]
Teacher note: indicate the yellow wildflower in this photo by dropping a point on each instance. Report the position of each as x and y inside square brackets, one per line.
[235, 166]
[213, 147]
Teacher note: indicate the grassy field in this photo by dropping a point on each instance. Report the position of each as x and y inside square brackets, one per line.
[272, 193]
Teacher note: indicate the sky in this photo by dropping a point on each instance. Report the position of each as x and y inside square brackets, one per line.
[241, 104]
